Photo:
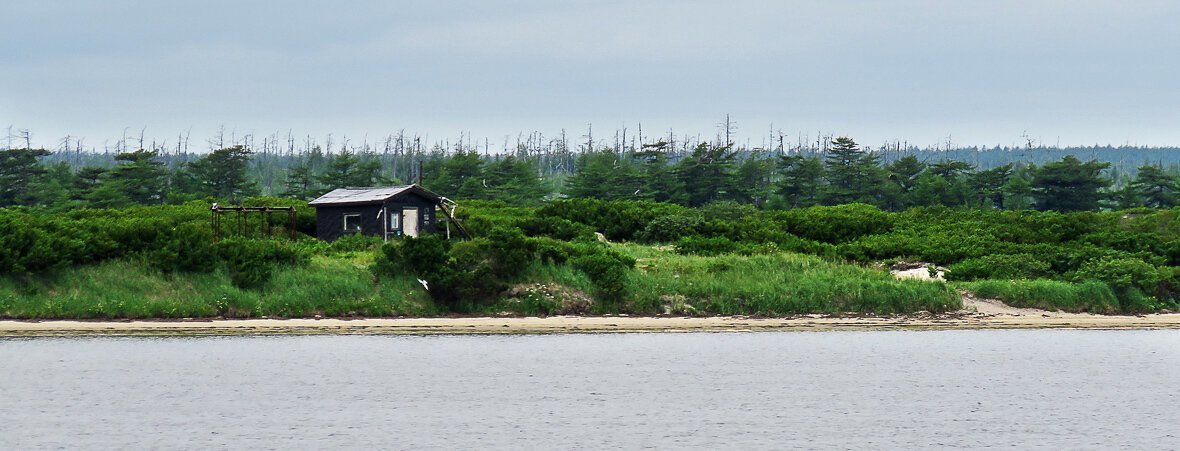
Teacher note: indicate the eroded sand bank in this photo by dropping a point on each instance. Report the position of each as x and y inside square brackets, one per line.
[977, 314]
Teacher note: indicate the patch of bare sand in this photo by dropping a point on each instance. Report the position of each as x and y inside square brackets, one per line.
[995, 307]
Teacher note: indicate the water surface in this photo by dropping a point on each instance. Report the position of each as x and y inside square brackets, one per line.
[959, 389]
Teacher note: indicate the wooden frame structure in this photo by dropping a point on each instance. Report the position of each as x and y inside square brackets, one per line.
[242, 222]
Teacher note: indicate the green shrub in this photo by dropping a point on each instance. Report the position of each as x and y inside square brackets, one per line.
[670, 228]
[1130, 279]
[1014, 266]
[187, 247]
[551, 251]
[606, 268]
[355, 242]
[554, 227]
[1119, 273]
[706, 246]
[618, 220]
[250, 263]
[838, 224]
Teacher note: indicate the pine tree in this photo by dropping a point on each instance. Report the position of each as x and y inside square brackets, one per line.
[1156, 188]
[300, 183]
[1069, 185]
[707, 174]
[800, 181]
[853, 175]
[140, 178]
[904, 174]
[752, 184]
[222, 174]
[988, 185]
[19, 170]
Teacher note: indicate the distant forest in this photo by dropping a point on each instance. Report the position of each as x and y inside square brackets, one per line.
[688, 170]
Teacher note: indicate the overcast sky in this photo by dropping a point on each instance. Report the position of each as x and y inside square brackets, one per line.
[980, 72]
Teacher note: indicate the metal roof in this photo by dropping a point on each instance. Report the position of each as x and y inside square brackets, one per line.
[342, 196]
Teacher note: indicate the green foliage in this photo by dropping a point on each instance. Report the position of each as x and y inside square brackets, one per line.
[355, 242]
[1091, 297]
[837, 224]
[606, 268]
[1000, 266]
[852, 174]
[711, 246]
[250, 263]
[670, 228]
[131, 289]
[1069, 185]
[1119, 273]
[775, 285]
[19, 170]
[708, 174]
[619, 221]
[555, 227]
[221, 174]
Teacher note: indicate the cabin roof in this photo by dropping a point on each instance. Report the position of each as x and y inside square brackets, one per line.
[372, 195]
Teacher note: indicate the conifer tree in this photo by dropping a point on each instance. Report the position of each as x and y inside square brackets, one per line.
[1156, 188]
[800, 180]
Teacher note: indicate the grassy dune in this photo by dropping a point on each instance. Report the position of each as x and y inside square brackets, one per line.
[329, 286]
[1091, 297]
[776, 284]
[343, 285]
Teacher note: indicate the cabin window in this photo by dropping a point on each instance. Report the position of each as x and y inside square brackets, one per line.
[352, 222]
[395, 221]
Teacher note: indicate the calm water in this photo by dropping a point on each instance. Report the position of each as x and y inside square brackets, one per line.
[963, 389]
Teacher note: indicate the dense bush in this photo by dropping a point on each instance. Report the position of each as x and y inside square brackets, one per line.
[998, 266]
[838, 224]
[606, 268]
[618, 220]
[713, 246]
[1131, 279]
[670, 228]
[250, 263]
[554, 227]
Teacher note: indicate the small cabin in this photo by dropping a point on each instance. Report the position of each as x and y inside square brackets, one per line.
[385, 212]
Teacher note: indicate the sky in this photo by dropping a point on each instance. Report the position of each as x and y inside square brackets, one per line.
[921, 71]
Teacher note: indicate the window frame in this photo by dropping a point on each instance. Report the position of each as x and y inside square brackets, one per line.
[344, 222]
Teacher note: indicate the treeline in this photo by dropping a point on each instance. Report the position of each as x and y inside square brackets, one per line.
[847, 174]
[840, 172]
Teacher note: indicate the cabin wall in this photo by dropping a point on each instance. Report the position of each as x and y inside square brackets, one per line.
[329, 220]
[427, 216]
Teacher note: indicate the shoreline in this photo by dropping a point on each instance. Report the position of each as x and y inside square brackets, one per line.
[579, 324]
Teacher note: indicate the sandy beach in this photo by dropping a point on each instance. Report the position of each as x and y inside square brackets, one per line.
[977, 314]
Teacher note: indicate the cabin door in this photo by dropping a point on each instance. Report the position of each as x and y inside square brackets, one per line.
[410, 222]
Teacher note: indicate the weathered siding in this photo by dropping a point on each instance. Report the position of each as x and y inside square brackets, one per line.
[330, 218]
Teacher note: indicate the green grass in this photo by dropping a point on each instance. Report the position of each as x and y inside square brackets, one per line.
[1092, 297]
[777, 284]
[126, 289]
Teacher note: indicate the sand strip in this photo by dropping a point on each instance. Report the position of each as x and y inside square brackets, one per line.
[572, 324]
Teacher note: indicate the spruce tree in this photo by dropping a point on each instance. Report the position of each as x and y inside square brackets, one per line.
[1156, 188]
[799, 181]
[1070, 185]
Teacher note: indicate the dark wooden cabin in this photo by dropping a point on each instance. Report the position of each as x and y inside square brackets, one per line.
[385, 212]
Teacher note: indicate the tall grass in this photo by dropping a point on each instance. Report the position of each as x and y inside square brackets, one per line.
[777, 284]
[127, 289]
[1092, 297]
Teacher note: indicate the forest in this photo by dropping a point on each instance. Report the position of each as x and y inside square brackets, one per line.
[701, 229]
